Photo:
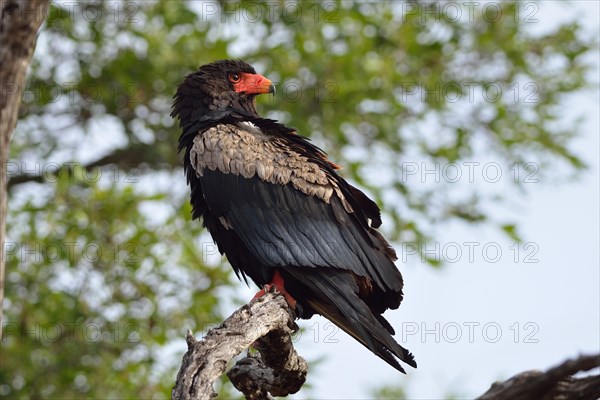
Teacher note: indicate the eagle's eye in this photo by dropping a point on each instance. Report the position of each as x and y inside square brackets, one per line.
[234, 78]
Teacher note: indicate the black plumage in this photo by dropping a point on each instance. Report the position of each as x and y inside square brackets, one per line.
[272, 201]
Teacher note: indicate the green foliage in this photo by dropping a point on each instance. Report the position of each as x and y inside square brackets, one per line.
[392, 392]
[118, 259]
[398, 391]
[95, 288]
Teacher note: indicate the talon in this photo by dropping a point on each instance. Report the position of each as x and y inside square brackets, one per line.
[261, 293]
[277, 285]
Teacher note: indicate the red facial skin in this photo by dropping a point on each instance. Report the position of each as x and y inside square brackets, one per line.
[251, 83]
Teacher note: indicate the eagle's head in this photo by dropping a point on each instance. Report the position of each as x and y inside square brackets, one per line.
[217, 89]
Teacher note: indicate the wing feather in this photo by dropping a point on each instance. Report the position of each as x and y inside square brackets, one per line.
[283, 226]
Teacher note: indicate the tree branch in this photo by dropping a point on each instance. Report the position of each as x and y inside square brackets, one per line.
[556, 383]
[266, 323]
[19, 23]
[129, 158]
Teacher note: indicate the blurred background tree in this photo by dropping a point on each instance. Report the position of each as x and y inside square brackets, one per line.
[105, 270]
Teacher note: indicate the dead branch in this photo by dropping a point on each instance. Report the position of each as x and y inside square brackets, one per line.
[558, 383]
[265, 323]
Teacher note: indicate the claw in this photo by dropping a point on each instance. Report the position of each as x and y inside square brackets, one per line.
[277, 285]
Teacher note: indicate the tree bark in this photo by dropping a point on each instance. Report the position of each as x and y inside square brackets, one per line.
[557, 383]
[19, 24]
[265, 323]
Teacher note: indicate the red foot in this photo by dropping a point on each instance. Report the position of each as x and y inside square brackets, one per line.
[277, 284]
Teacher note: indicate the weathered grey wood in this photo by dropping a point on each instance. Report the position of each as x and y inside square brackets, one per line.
[278, 367]
[19, 24]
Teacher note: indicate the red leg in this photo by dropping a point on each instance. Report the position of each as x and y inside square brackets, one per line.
[277, 284]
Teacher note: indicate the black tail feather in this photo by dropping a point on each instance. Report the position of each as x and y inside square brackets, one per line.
[334, 295]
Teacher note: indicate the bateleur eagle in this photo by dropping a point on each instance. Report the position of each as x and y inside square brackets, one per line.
[276, 207]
